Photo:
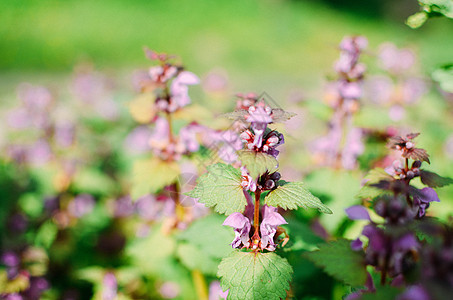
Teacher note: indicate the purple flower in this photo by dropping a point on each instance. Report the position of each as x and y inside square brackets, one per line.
[271, 220]
[81, 205]
[10, 259]
[109, 287]
[169, 290]
[414, 292]
[248, 183]
[357, 212]
[350, 90]
[427, 195]
[179, 88]
[137, 142]
[39, 153]
[215, 291]
[242, 226]
[259, 116]
[352, 149]
[64, 134]
[162, 74]
[188, 136]
[395, 60]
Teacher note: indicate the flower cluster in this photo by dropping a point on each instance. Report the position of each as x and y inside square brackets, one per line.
[396, 88]
[393, 247]
[343, 142]
[257, 138]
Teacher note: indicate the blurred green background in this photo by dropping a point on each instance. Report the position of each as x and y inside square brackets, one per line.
[256, 42]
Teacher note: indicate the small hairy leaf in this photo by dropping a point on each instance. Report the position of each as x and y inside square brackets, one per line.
[151, 175]
[340, 261]
[249, 276]
[257, 163]
[143, 108]
[433, 180]
[292, 195]
[221, 189]
[417, 154]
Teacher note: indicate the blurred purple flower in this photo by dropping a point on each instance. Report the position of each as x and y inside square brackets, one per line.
[109, 287]
[412, 89]
[379, 89]
[414, 292]
[422, 202]
[137, 142]
[242, 226]
[81, 205]
[123, 207]
[271, 220]
[17, 223]
[169, 290]
[10, 259]
[353, 148]
[395, 60]
[215, 291]
[39, 153]
[357, 212]
[37, 286]
[64, 134]
[179, 88]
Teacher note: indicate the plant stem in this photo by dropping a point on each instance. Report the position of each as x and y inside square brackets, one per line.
[256, 216]
[200, 285]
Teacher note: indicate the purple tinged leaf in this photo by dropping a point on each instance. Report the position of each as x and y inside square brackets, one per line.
[357, 212]
[433, 180]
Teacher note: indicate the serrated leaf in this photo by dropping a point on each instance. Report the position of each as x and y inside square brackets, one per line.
[151, 175]
[292, 195]
[250, 276]
[340, 261]
[143, 108]
[257, 163]
[433, 180]
[221, 189]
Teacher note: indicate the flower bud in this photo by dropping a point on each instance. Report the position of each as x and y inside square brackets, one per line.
[409, 145]
[410, 174]
[269, 185]
[275, 176]
[416, 164]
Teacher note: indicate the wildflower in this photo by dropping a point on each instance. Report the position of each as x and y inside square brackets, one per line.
[242, 226]
[271, 220]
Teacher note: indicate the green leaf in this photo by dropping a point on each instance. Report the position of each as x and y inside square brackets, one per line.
[46, 234]
[200, 234]
[444, 76]
[195, 259]
[221, 189]
[374, 176]
[416, 20]
[143, 108]
[433, 180]
[93, 181]
[257, 163]
[250, 276]
[292, 195]
[384, 292]
[340, 261]
[151, 175]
